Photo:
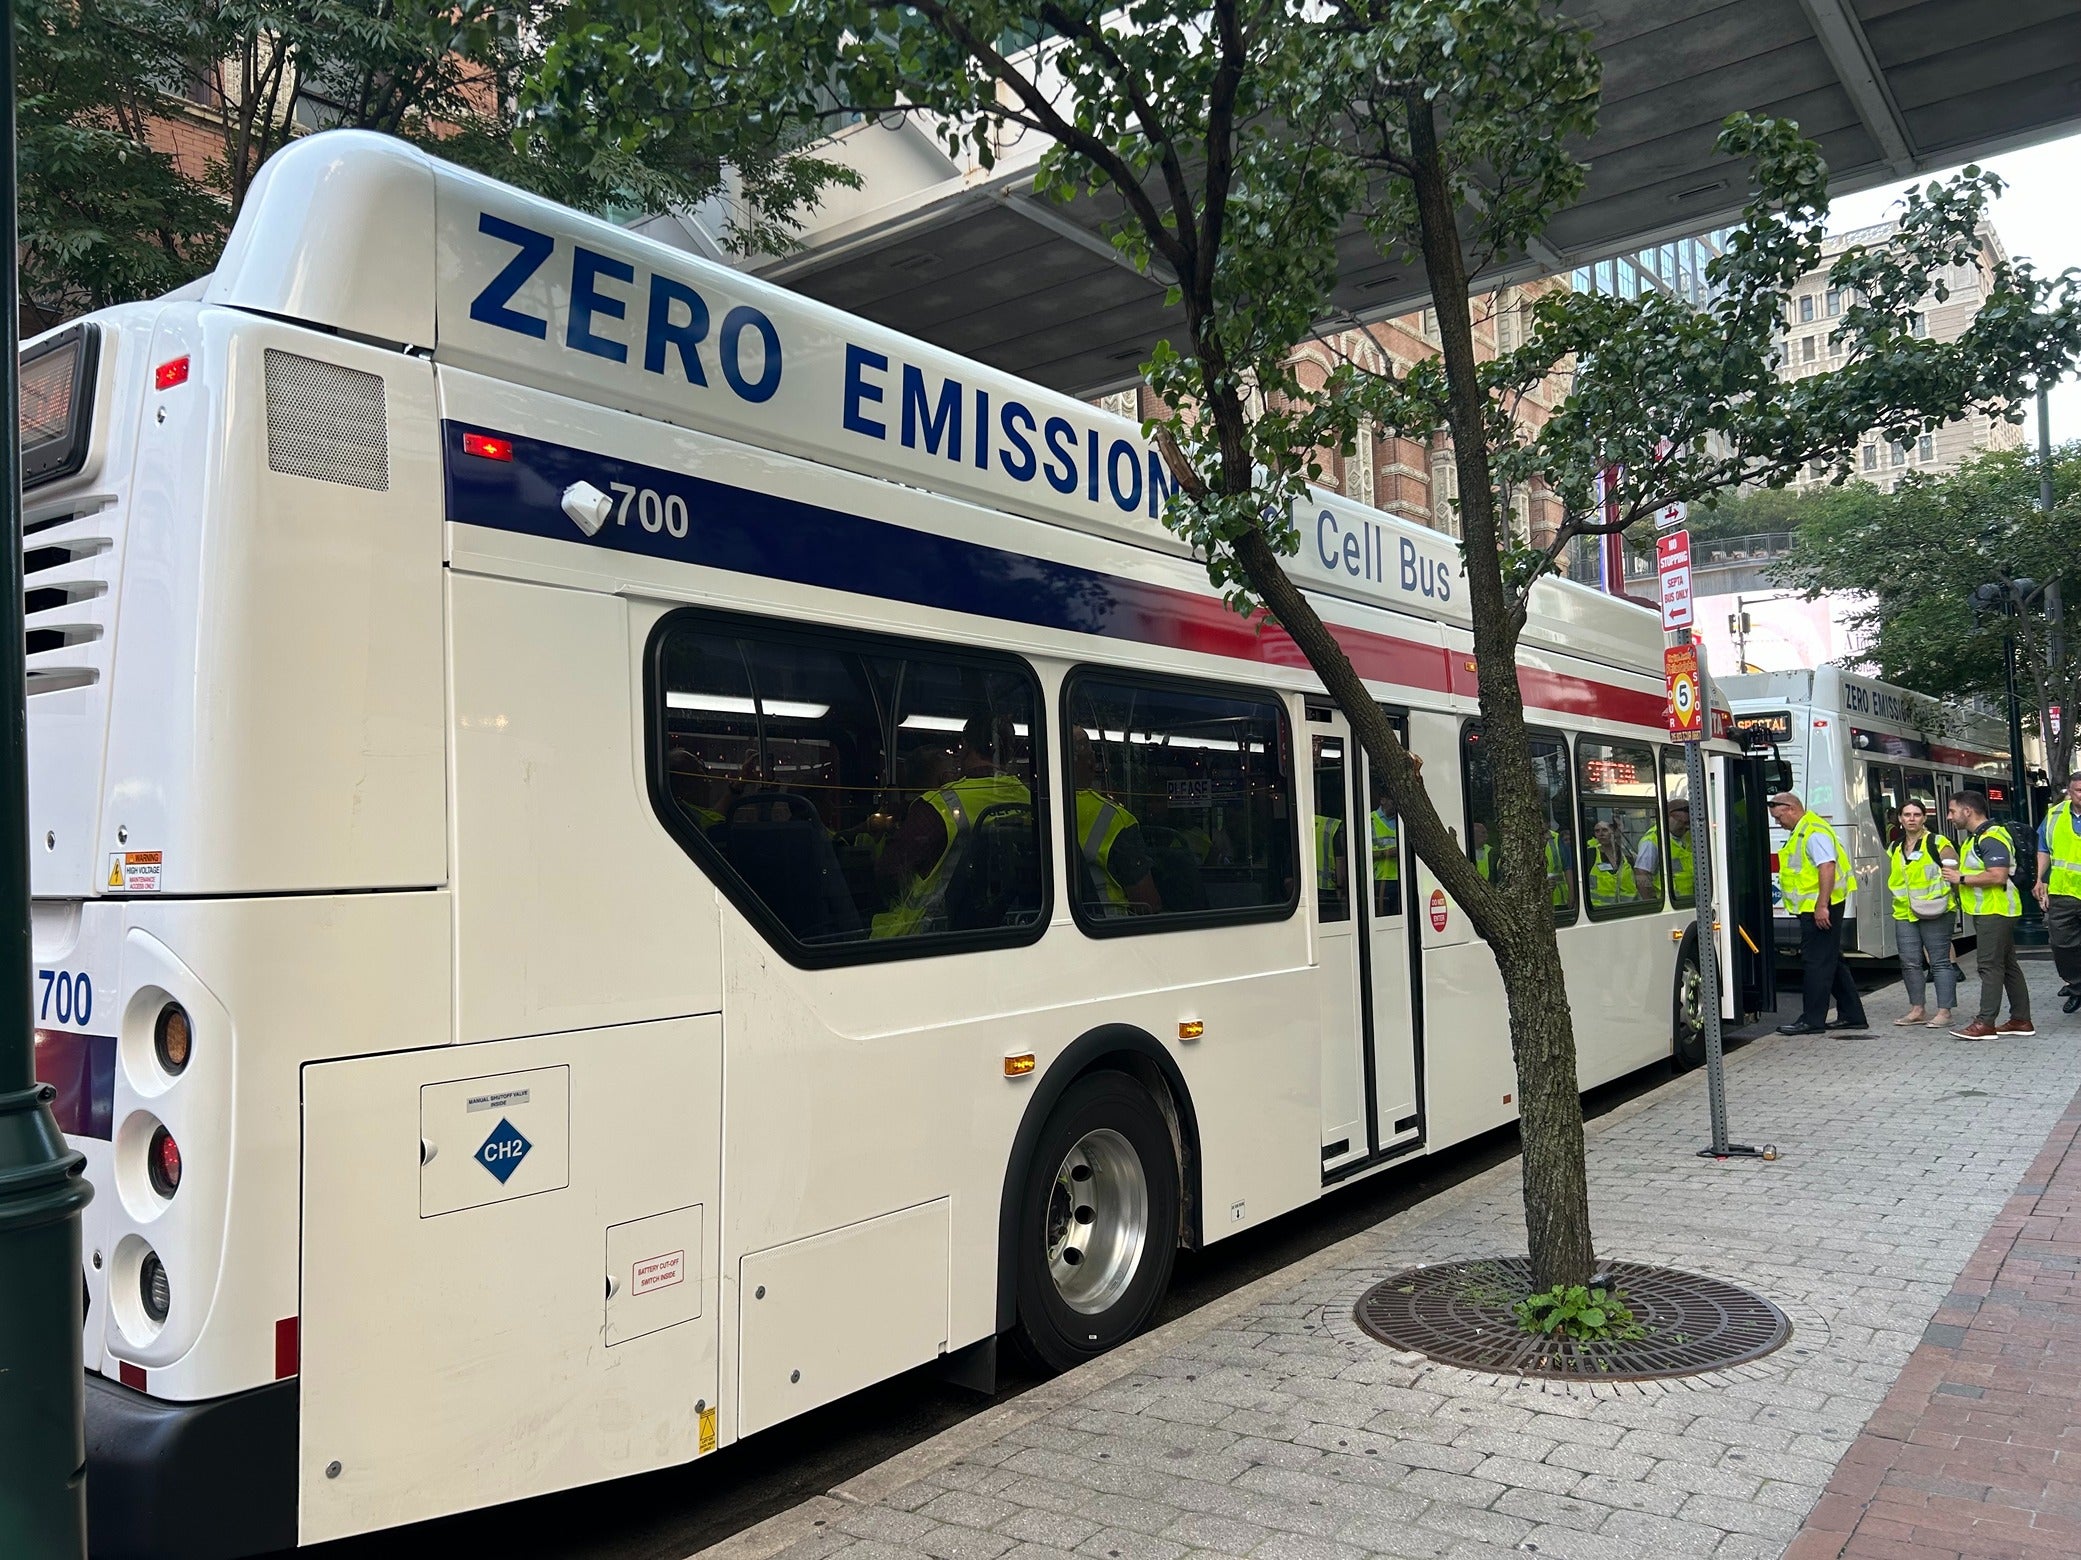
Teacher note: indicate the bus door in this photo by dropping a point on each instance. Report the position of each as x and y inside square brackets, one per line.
[1751, 782]
[1362, 936]
[1389, 961]
[1340, 990]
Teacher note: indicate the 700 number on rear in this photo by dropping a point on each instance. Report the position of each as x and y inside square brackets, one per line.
[67, 998]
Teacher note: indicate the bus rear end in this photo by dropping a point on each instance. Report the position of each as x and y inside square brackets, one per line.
[237, 808]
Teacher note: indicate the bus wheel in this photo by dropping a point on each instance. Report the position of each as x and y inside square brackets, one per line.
[1098, 1226]
[1687, 1007]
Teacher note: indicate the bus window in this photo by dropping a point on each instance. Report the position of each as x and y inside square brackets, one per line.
[1183, 805]
[1883, 781]
[1550, 767]
[1676, 862]
[857, 797]
[1921, 787]
[1332, 847]
[1384, 843]
[1621, 826]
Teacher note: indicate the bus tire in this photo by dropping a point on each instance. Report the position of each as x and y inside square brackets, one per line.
[1098, 1217]
[1687, 1007]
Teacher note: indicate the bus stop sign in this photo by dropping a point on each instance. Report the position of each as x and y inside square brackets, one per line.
[1686, 700]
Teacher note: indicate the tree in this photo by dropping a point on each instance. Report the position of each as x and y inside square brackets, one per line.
[104, 217]
[1237, 140]
[1917, 556]
[109, 213]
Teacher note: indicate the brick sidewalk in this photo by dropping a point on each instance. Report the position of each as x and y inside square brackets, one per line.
[1269, 1426]
[1969, 1454]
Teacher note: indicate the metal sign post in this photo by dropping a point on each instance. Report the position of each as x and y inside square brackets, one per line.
[1690, 722]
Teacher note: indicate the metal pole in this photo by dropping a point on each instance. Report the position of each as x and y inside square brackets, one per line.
[43, 1478]
[2055, 610]
[2030, 928]
[1707, 922]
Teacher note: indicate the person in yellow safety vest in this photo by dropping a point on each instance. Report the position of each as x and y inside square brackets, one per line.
[1916, 860]
[693, 787]
[1683, 871]
[1110, 841]
[917, 865]
[1987, 893]
[1814, 880]
[2059, 889]
[1557, 873]
[1481, 852]
[1611, 874]
[1387, 859]
[1329, 864]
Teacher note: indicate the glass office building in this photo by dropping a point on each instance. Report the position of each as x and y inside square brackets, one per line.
[1677, 267]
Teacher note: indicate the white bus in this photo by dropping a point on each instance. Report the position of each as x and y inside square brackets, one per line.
[621, 854]
[1854, 749]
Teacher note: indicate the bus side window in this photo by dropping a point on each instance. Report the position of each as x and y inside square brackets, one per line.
[1624, 844]
[1181, 805]
[1884, 783]
[856, 796]
[1550, 768]
[1921, 787]
[1676, 824]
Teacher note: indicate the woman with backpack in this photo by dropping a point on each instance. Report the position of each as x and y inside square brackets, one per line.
[1924, 907]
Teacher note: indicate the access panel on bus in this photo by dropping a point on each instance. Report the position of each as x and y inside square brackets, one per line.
[510, 1273]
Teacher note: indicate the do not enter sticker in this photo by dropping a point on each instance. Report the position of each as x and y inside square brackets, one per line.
[1437, 909]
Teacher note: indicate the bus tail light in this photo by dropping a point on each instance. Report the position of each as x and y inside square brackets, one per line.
[172, 1038]
[170, 374]
[163, 1162]
[153, 1290]
[487, 447]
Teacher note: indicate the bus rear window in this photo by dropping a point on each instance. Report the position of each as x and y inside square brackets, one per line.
[57, 415]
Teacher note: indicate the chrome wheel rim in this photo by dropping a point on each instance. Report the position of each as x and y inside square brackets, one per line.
[1098, 1221]
[1692, 1001]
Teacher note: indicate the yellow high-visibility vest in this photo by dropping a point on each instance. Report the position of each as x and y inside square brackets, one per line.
[1799, 876]
[2003, 901]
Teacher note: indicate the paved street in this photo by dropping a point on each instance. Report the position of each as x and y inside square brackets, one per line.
[1268, 1425]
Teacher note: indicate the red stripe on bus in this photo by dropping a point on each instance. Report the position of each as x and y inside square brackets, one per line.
[1204, 625]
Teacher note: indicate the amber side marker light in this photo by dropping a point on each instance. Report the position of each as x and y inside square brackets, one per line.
[173, 1038]
[1019, 1064]
[1191, 1028]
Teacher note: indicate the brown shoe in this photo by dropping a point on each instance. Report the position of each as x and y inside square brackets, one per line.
[1978, 1029]
[2017, 1026]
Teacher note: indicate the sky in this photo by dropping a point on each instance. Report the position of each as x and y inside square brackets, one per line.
[2038, 219]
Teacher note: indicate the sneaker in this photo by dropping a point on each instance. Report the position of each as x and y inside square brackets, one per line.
[2017, 1026]
[1978, 1029]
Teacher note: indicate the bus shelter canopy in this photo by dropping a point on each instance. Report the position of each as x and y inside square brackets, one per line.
[970, 261]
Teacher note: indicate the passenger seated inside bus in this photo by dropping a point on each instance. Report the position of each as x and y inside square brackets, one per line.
[1118, 876]
[983, 802]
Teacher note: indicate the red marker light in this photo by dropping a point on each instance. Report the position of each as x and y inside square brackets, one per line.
[484, 445]
[164, 1163]
[170, 373]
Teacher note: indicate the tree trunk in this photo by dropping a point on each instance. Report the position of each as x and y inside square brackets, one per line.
[1542, 1036]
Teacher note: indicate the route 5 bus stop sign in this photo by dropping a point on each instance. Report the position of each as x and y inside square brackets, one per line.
[1686, 699]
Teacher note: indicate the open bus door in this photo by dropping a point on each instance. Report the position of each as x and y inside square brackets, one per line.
[1751, 781]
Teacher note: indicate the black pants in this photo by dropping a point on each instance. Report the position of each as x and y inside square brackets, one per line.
[2063, 927]
[1823, 974]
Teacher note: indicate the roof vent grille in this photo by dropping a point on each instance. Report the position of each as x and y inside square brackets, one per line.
[326, 422]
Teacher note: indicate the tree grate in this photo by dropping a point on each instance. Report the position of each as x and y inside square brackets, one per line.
[1460, 1313]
